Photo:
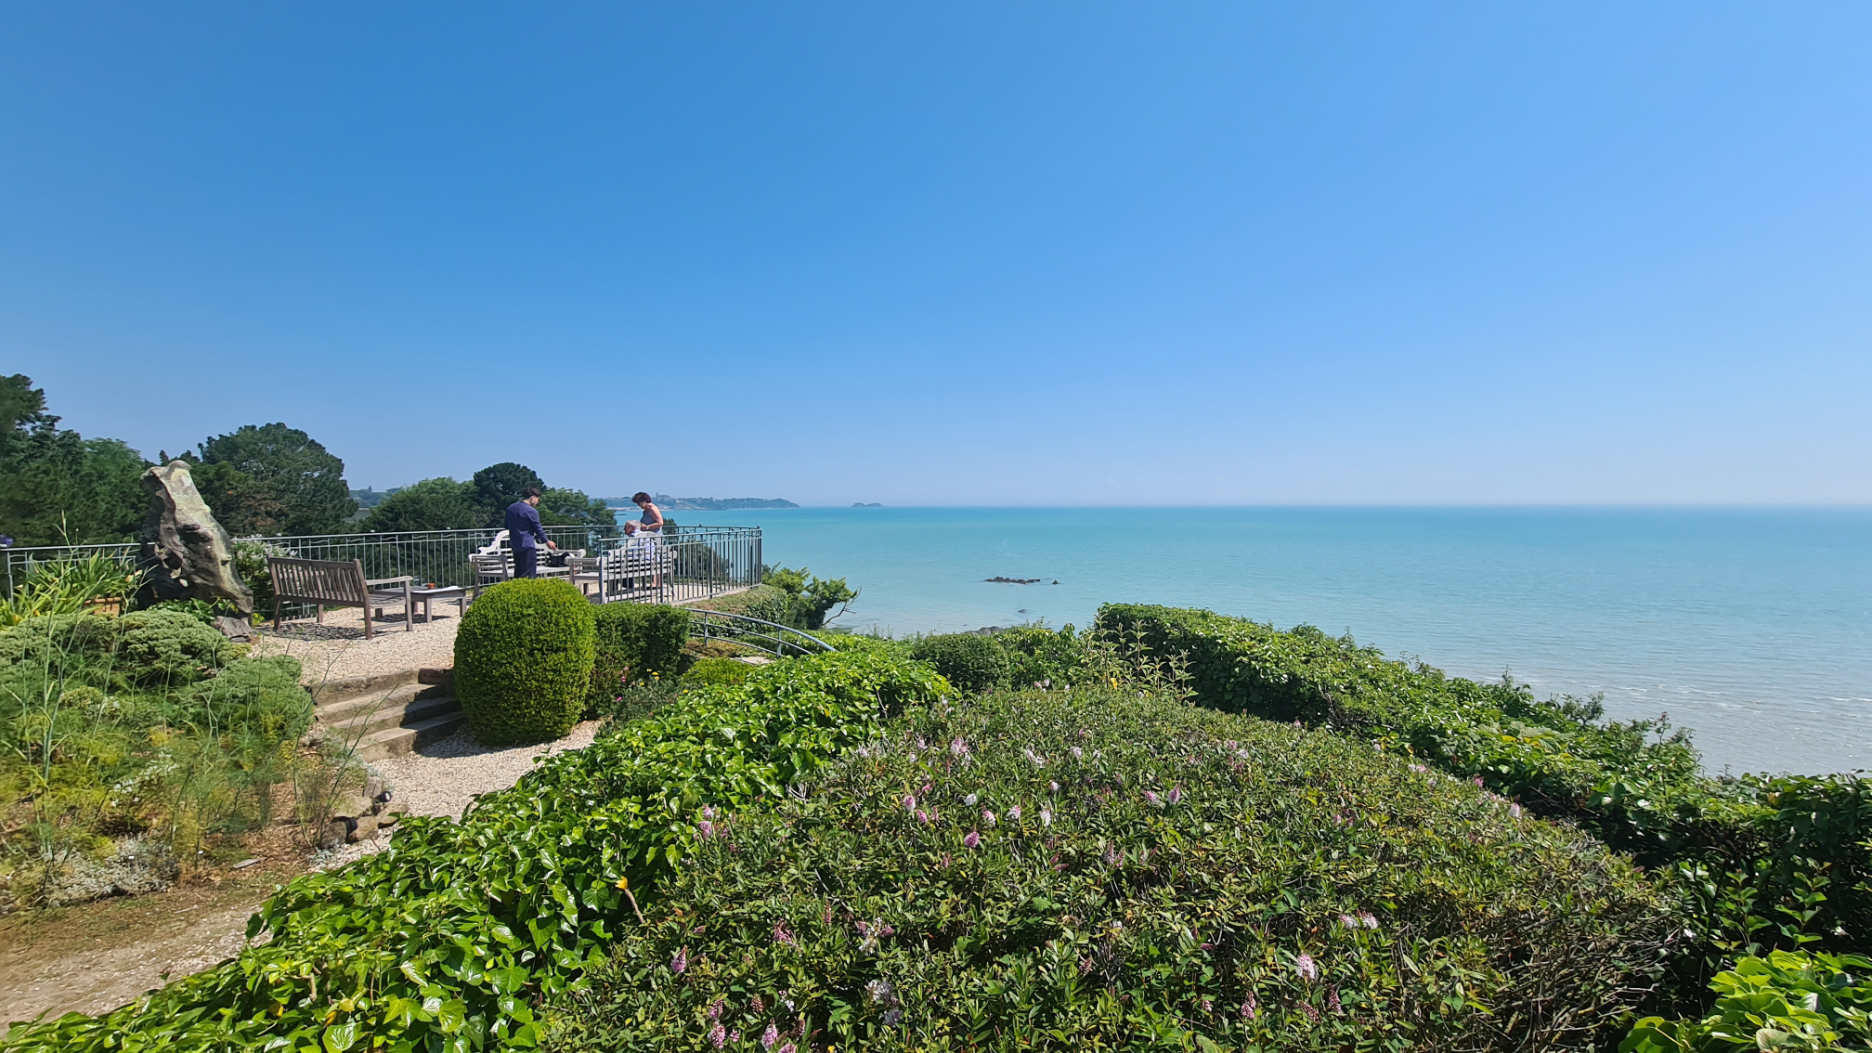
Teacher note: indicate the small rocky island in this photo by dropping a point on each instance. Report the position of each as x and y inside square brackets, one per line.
[866, 504]
[999, 580]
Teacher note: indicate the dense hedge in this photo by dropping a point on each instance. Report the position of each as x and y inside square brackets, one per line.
[634, 641]
[1106, 871]
[447, 940]
[523, 661]
[970, 661]
[1760, 862]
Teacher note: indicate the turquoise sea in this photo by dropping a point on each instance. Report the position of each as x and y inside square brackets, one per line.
[1753, 627]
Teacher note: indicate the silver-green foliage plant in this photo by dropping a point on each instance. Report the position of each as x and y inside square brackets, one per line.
[523, 661]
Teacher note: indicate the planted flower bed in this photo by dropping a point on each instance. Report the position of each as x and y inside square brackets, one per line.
[1113, 870]
[446, 940]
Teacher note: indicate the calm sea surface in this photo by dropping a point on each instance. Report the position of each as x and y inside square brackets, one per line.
[1751, 627]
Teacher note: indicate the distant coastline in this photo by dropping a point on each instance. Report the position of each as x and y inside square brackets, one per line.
[706, 504]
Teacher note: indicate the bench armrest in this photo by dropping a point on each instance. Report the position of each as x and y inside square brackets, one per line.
[404, 580]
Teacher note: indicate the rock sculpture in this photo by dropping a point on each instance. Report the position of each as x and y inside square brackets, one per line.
[188, 553]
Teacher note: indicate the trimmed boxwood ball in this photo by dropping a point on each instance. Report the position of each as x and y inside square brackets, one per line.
[523, 661]
[970, 661]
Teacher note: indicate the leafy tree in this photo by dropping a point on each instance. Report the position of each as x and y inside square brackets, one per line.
[433, 504]
[272, 479]
[808, 598]
[56, 486]
[499, 485]
[563, 507]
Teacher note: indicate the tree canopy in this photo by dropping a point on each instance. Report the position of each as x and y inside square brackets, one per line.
[273, 479]
[56, 486]
[433, 504]
[499, 485]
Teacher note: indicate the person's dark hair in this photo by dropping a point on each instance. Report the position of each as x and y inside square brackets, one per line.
[639, 496]
[531, 491]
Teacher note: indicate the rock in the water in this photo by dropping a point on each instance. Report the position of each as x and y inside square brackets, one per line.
[189, 553]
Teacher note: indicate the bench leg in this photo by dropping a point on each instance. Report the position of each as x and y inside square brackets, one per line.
[367, 626]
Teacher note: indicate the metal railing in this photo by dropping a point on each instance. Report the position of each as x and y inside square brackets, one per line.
[758, 633]
[704, 561]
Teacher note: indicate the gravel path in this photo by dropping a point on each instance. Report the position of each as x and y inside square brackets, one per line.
[337, 649]
[443, 777]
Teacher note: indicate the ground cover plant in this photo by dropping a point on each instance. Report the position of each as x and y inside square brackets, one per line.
[1108, 869]
[449, 938]
[143, 734]
[1756, 864]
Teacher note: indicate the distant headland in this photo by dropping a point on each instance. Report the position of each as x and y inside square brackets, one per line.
[866, 504]
[706, 504]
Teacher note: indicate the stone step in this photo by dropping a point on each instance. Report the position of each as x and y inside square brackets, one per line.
[375, 685]
[388, 742]
[395, 698]
[365, 721]
[351, 688]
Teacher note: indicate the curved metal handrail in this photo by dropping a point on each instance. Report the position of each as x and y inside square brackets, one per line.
[759, 633]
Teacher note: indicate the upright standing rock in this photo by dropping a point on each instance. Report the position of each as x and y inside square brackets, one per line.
[187, 551]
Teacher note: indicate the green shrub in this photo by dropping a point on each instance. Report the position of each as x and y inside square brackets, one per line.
[55, 637]
[170, 647]
[762, 601]
[971, 661]
[810, 600]
[1037, 655]
[1789, 1000]
[859, 643]
[1109, 871]
[1758, 863]
[448, 940]
[523, 661]
[66, 586]
[634, 641]
[718, 671]
[110, 726]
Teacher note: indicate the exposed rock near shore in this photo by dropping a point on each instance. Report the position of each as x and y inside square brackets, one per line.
[999, 580]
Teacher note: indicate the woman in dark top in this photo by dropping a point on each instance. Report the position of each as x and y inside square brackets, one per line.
[652, 515]
[652, 522]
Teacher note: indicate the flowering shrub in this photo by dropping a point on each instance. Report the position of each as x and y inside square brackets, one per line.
[446, 940]
[1103, 870]
[1757, 863]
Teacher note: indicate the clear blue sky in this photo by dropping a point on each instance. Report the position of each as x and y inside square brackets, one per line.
[963, 253]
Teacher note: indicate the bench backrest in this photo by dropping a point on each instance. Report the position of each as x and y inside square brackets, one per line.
[329, 581]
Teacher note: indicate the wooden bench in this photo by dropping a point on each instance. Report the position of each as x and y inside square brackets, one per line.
[336, 583]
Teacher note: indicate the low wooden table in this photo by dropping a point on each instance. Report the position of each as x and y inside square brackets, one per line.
[463, 595]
